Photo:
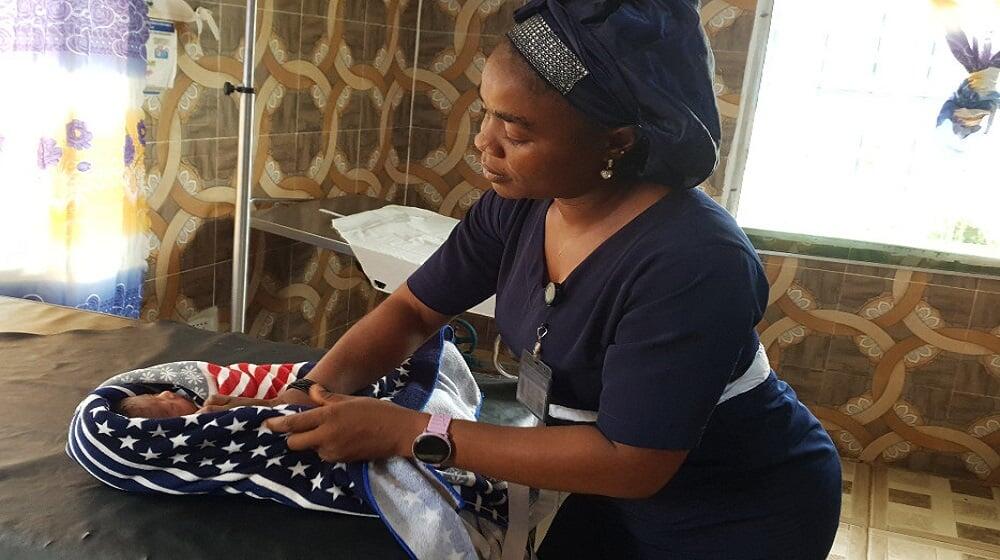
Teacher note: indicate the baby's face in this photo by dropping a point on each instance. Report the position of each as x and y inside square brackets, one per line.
[161, 405]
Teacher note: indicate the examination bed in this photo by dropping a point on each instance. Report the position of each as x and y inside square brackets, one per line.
[51, 508]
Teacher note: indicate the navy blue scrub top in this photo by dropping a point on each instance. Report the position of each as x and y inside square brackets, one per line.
[649, 328]
[648, 331]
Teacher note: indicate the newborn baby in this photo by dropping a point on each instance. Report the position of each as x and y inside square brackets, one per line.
[253, 382]
[165, 404]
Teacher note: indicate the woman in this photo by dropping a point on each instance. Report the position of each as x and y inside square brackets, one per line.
[637, 293]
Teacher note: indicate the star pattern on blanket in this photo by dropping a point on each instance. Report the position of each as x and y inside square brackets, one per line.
[230, 447]
[231, 452]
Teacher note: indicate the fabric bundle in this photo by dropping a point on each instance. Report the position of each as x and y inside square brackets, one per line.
[231, 452]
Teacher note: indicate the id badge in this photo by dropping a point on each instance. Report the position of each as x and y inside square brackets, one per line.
[533, 383]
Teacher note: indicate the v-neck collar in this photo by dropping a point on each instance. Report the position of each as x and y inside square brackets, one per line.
[539, 249]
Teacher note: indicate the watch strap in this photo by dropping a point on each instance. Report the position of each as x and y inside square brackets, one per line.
[438, 424]
[301, 385]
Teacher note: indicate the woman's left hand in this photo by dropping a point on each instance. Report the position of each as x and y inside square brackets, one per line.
[344, 428]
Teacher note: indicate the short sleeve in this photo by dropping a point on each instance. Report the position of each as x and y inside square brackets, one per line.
[463, 272]
[686, 325]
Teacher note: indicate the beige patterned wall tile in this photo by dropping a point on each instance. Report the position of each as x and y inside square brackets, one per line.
[381, 13]
[810, 353]
[870, 270]
[346, 97]
[966, 408]
[861, 294]
[492, 17]
[320, 164]
[180, 296]
[275, 154]
[986, 312]
[288, 6]
[409, 13]
[226, 159]
[349, 10]
[381, 165]
[374, 59]
[807, 383]
[328, 339]
[234, 3]
[953, 305]
[728, 25]
[820, 289]
[310, 100]
[443, 162]
[821, 264]
[942, 371]
[276, 254]
[953, 281]
[182, 218]
[841, 387]
[974, 378]
[924, 405]
[892, 362]
[927, 461]
[991, 285]
[224, 293]
[362, 297]
[498, 15]
[278, 87]
[199, 250]
[268, 312]
[729, 69]
[432, 15]
[318, 291]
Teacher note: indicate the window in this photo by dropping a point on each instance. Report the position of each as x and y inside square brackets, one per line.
[845, 140]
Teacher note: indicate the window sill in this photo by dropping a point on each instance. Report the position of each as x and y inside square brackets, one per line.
[851, 251]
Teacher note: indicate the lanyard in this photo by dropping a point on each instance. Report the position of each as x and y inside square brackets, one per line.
[534, 382]
[553, 293]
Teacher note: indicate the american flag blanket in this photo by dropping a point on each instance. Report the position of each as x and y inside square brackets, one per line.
[231, 452]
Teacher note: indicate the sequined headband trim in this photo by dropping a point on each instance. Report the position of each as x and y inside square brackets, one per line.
[546, 52]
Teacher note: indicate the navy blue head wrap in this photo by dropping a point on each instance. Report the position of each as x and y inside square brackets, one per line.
[641, 63]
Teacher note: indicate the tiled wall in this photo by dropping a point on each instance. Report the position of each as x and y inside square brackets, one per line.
[901, 366]
[333, 118]
[336, 83]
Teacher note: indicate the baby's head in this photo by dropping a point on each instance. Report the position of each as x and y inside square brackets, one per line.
[161, 405]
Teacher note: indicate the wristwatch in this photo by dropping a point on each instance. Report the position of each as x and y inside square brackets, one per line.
[301, 384]
[434, 446]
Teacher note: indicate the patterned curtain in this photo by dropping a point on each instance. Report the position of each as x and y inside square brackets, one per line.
[73, 223]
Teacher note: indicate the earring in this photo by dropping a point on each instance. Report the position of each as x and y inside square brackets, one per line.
[608, 171]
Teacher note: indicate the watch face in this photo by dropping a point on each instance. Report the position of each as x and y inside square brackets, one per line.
[432, 449]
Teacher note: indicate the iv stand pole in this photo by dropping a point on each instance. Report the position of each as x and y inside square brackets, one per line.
[244, 171]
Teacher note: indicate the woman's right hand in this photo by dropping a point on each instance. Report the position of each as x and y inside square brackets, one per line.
[219, 403]
[294, 396]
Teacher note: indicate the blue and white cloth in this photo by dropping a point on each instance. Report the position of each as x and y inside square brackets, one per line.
[231, 452]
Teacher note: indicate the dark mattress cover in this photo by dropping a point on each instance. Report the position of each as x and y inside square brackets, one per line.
[51, 508]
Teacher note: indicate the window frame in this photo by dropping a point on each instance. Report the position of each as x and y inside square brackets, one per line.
[805, 245]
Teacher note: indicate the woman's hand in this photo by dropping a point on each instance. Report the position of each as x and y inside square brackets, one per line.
[218, 403]
[343, 428]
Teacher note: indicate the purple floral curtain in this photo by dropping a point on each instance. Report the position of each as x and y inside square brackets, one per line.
[73, 224]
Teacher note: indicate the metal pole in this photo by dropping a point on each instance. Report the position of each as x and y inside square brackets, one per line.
[244, 171]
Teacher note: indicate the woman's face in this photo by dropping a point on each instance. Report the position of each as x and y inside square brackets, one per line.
[534, 144]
